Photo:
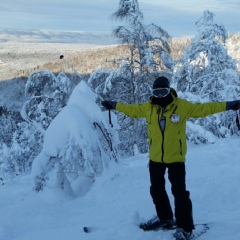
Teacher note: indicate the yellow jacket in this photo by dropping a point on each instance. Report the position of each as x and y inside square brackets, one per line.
[170, 145]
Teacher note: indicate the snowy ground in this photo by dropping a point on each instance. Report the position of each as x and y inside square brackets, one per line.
[22, 52]
[20, 58]
[120, 199]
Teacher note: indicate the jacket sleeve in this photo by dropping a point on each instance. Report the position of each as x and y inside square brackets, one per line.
[196, 110]
[132, 110]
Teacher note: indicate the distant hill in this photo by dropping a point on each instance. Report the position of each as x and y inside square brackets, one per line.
[51, 36]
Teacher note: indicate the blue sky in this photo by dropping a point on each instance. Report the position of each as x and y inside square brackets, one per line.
[177, 17]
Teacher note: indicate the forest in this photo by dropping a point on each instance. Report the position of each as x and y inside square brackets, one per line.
[201, 69]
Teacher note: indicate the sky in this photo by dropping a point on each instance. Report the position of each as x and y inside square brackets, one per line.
[177, 17]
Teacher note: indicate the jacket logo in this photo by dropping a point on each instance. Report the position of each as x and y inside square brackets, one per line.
[175, 118]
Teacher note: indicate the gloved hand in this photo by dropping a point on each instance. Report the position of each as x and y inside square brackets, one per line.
[233, 105]
[109, 104]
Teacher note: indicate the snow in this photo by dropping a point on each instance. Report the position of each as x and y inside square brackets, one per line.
[73, 120]
[120, 199]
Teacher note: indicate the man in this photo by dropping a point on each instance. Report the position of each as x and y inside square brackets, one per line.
[166, 116]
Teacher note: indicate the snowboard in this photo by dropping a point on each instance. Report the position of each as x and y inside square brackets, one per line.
[199, 230]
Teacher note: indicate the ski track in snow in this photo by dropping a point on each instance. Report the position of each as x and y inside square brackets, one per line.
[120, 199]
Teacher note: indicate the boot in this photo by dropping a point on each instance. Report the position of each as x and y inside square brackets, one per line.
[180, 234]
[156, 224]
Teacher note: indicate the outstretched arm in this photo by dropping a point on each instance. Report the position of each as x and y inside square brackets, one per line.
[131, 110]
[196, 110]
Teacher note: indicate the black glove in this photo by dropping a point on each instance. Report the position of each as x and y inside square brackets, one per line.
[109, 104]
[233, 105]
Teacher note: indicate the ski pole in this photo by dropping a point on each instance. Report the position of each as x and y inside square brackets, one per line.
[70, 66]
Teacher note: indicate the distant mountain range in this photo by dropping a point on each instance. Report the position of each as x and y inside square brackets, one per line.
[51, 36]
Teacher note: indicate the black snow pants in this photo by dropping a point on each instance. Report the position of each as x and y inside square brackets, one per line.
[183, 204]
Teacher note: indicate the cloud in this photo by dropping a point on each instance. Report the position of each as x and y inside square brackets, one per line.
[177, 17]
[232, 4]
[54, 14]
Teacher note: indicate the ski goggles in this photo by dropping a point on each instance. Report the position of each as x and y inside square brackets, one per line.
[160, 92]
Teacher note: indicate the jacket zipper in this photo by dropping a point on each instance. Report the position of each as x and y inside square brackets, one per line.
[180, 146]
[158, 112]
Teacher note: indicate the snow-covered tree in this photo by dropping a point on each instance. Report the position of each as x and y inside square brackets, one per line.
[233, 47]
[132, 81]
[8, 123]
[206, 60]
[78, 145]
[208, 72]
[48, 95]
[11, 164]
[22, 140]
[25, 144]
[147, 42]
[118, 86]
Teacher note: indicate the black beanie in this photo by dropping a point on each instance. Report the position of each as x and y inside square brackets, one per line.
[161, 82]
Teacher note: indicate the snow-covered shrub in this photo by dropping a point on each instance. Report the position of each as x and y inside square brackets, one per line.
[18, 156]
[21, 140]
[78, 145]
[8, 124]
[48, 95]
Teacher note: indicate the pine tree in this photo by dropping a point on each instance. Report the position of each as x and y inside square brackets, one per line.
[206, 72]
[145, 41]
[132, 81]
